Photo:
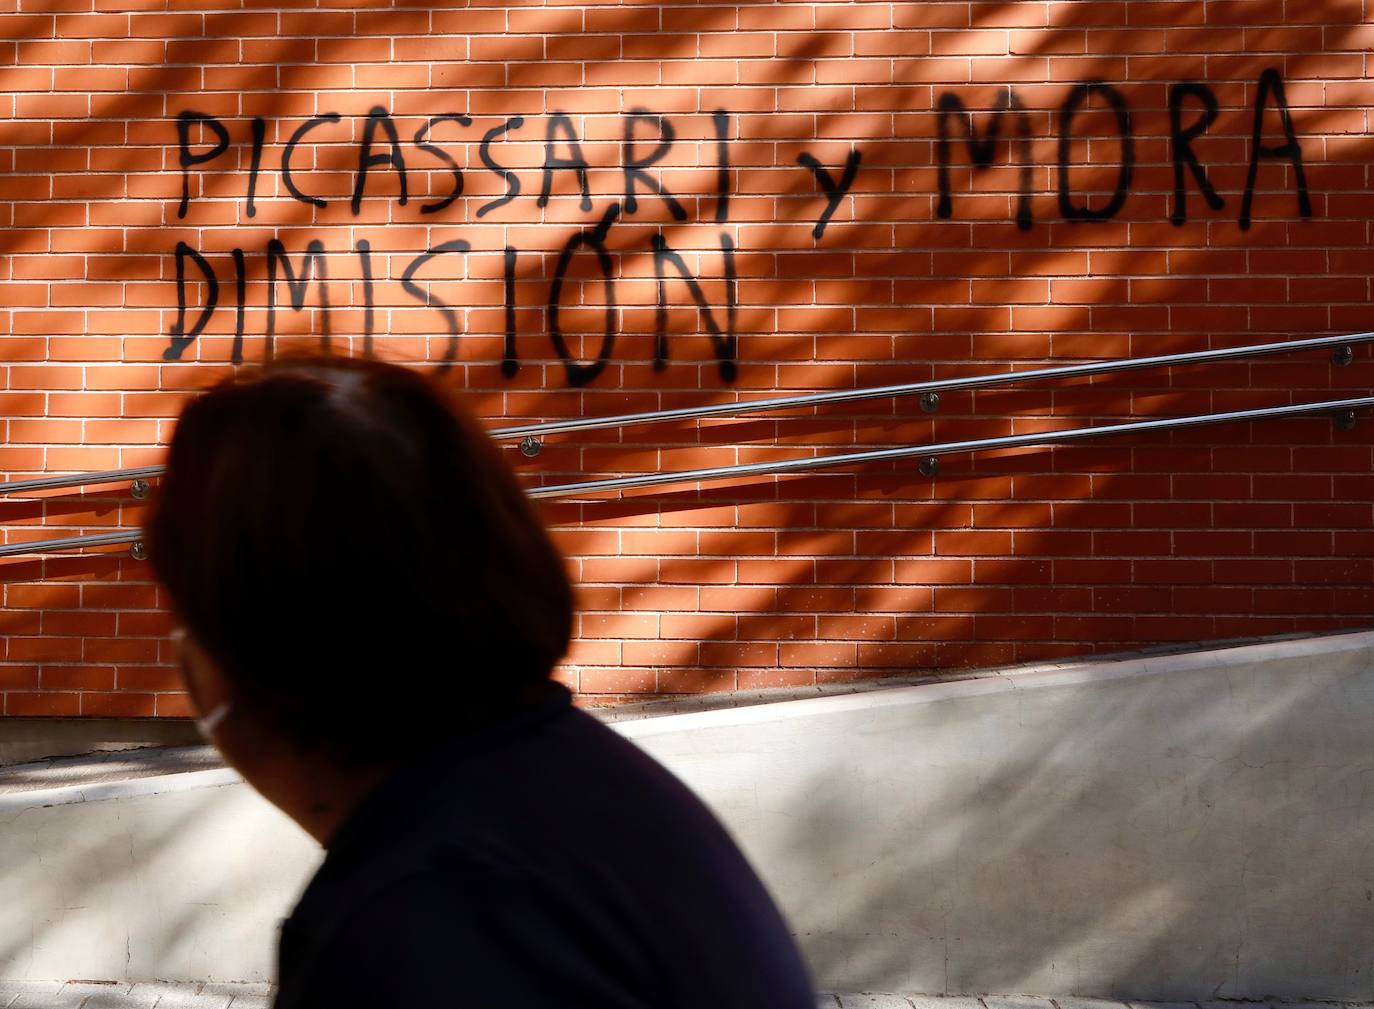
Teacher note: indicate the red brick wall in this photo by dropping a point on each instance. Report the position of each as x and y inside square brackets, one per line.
[1216, 533]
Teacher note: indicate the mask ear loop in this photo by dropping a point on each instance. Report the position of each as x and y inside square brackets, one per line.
[206, 726]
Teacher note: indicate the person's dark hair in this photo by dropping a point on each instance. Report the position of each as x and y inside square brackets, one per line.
[351, 549]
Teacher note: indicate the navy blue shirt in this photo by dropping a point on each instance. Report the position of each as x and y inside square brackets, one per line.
[544, 862]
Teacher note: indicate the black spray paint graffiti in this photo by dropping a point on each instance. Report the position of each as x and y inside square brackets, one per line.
[1269, 91]
[1272, 84]
[1077, 98]
[647, 139]
[982, 150]
[834, 191]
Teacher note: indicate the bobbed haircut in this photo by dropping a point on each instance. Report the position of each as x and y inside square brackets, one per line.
[350, 548]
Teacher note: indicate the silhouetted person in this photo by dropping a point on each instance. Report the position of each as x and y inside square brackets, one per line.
[371, 613]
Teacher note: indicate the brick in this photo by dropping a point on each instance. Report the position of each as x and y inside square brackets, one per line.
[125, 704]
[49, 703]
[624, 680]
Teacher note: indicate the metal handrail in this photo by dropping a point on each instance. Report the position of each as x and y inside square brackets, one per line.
[530, 434]
[945, 448]
[82, 479]
[747, 407]
[929, 452]
[71, 543]
[936, 386]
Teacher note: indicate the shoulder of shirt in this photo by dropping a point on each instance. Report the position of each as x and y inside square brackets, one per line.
[469, 887]
[446, 862]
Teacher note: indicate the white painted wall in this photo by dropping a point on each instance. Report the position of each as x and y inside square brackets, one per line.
[1192, 826]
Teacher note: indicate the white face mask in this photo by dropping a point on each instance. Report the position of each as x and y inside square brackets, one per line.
[210, 721]
[206, 726]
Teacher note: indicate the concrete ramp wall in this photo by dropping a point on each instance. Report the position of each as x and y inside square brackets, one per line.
[1193, 826]
[178, 878]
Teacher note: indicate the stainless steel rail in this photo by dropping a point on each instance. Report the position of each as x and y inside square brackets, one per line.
[71, 543]
[81, 479]
[945, 448]
[748, 407]
[938, 386]
[926, 452]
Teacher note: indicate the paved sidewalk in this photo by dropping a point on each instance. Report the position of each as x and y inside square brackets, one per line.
[98, 995]
[880, 1000]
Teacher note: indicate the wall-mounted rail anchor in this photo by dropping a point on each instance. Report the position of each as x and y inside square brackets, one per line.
[138, 551]
[1342, 355]
[140, 489]
[930, 402]
[530, 446]
[1344, 420]
[929, 466]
